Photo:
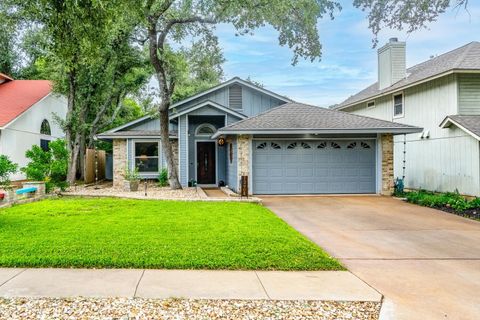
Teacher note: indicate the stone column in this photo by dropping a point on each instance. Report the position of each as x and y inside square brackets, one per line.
[243, 158]
[119, 162]
[387, 164]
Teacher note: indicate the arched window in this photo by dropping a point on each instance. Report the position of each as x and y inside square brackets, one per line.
[205, 129]
[45, 128]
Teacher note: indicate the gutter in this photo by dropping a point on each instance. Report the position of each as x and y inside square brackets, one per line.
[318, 131]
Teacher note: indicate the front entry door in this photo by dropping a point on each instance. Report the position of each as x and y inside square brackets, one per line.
[206, 163]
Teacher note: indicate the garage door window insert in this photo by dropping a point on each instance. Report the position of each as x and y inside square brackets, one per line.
[146, 156]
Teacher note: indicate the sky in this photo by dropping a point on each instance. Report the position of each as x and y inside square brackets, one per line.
[348, 63]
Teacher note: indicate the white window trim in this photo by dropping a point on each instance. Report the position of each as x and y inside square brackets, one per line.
[403, 105]
[371, 107]
[135, 157]
[211, 126]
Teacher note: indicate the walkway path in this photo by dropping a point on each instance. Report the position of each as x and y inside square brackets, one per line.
[193, 284]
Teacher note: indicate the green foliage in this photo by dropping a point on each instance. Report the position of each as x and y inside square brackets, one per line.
[7, 167]
[132, 175]
[411, 15]
[49, 166]
[123, 233]
[163, 177]
[451, 200]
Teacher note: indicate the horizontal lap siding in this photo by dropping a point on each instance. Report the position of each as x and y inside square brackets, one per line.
[469, 94]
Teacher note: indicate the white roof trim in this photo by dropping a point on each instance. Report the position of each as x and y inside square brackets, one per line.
[106, 136]
[212, 104]
[447, 122]
[227, 83]
[317, 131]
[393, 90]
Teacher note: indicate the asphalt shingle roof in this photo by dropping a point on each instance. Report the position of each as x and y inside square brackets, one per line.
[298, 116]
[471, 123]
[466, 57]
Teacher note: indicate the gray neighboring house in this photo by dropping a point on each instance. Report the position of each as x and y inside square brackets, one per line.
[441, 95]
[238, 129]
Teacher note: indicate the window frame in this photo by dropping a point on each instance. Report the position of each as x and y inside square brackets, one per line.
[372, 106]
[401, 115]
[134, 148]
[203, 125]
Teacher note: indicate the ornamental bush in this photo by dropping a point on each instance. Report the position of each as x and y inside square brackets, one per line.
[163, 177]
[7, 167]
[49, 166]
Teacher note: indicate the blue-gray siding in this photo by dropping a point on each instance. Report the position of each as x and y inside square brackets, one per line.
[182, 150]
[231, 167]
[254, 102]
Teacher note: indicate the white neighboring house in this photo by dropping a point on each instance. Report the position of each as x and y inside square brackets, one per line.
[28, 109]
[441, 95]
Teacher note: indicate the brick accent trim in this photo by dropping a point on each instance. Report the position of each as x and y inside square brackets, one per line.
[387, 164]
[119, 161]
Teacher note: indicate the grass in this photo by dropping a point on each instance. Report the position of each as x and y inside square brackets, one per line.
[121, 233]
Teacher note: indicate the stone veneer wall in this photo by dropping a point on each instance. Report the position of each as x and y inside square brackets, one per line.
[387, 164]
[119, 161]
[243, 157]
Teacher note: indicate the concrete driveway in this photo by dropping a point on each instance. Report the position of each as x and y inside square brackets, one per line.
[425, 262]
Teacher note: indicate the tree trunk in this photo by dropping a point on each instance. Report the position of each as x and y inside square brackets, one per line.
[69, 140]
[167, 150]
[81, 157]
[72, 160]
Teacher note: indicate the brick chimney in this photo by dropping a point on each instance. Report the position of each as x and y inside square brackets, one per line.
[391, 63]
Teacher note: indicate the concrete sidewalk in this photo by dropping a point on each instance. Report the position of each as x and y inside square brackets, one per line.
[193, 284]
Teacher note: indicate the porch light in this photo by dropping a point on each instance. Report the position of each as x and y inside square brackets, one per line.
[221, 141]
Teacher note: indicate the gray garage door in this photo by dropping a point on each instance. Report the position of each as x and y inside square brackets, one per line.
[307, 166]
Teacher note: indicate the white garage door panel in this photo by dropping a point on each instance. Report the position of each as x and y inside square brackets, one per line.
[296, 166]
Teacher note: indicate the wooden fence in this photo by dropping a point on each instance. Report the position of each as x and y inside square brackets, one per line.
[93, 156]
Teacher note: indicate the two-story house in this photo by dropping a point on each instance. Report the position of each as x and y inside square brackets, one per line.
[441, 95]
[238, 129]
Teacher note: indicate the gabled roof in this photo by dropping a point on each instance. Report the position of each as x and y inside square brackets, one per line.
[211, 104]
[298, 118]
[465, 58]
[228, 83]
[17, 96]
[469, 124]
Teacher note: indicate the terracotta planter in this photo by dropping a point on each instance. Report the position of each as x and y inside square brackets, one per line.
[130, 186]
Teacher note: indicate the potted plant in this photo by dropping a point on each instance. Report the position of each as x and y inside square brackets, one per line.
[132, 179]
[7, 167]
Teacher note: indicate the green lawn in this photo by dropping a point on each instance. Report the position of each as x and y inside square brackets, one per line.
[120, 233]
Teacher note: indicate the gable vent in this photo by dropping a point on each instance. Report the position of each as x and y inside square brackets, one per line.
[235, 96]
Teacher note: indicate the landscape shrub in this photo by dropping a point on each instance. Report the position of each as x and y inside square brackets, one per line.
[452, 200]
[163, 177]
[7, 167]
[49, 166]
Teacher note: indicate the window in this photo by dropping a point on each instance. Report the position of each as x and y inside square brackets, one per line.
[262, 145]
[322, 145]
[365, 145]
[352, 145]
[46, 131]
[205, 129]
[275, 145]
[371, 104]
[44, 144]
[335, 145]
[230, 153]
[305, 145]
[146, 156]
[235, 96]
[292, 145]
[45, 128]
[398, 105]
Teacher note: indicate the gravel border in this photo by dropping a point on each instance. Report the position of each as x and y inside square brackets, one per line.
[135, 308]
